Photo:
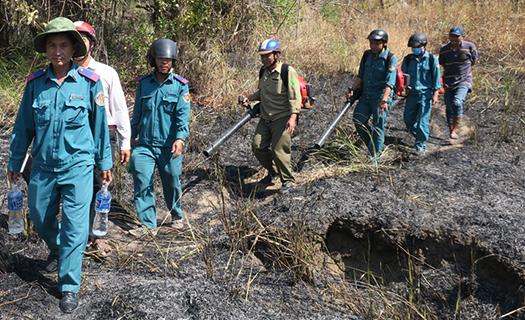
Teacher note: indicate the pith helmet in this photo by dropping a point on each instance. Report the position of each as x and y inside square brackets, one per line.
[56, 26]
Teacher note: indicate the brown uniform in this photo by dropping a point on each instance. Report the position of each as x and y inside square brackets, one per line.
[272, 141]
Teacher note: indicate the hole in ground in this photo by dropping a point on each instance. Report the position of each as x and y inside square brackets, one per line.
[377, 256]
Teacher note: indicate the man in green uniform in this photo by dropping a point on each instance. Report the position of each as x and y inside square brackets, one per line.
[158, 132]
[280, 97]
[62, 113]
[377, 77]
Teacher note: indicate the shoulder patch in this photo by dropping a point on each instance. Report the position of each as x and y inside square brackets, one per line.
[35, 75]
[99, 98]
[89, 74]
[181, 79]
[143, 77]
[186, 97]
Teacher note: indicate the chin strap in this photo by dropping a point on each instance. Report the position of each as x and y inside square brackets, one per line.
[274, 62]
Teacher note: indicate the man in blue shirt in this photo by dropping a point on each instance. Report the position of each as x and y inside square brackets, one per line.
[160, 121]
[457, 58]
[423, 92]
[62, 112]
[377, 77]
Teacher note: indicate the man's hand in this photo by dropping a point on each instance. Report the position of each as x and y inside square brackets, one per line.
[133, 142]
[291, 123]
[382, 106]
[243, 101]
[13, 176]
[105, 177]
[435, 97]
[124, 157]
[349, 93]
[176, 149]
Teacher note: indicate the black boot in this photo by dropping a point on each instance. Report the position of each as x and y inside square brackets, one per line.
[69, 302]
[51, 263]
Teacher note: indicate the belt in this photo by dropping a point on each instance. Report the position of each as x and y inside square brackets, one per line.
[267, 121]
[112, 127]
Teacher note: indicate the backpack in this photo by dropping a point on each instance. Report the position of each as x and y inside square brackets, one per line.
[307, 98]
[401, 80]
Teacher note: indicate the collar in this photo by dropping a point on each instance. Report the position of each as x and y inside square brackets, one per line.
[278, 67]
[72, 73]
[383, 54]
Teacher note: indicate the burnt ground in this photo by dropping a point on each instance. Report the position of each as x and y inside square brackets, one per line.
[437, 237]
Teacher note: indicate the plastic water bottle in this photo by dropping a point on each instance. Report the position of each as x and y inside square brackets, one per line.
[102, 206]
[15, 205]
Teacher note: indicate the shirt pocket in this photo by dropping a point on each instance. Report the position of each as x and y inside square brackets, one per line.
[169, 102]
[426, 74]
[274, 85]
[147, 103]
[379, 71]
[42, 112]
[76, 114]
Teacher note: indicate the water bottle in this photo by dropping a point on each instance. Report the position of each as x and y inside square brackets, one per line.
[102, 206]
[15, 205]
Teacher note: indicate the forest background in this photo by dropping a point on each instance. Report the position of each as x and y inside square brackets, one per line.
[218, 40]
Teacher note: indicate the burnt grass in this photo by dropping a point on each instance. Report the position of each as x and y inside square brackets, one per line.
[437, 237]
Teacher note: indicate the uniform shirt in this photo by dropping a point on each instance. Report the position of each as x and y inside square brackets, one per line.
[161, 112]
[277, 99]
[458, 64]
[116, 107]
[66, 123]
[424, 78]
[376, 75]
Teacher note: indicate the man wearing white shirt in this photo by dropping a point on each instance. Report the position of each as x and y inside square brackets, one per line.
[116, 109]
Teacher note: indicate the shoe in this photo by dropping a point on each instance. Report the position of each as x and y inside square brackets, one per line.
[51, 263]
[420, 152]
[69, 302]
[141, 231]
[177, 223]
[269, 179]
[287, 187]
[101, 248]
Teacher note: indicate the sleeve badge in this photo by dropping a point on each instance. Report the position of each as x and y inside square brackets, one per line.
[186, 97]
[392, 67]
[99, 98]
[293, 82]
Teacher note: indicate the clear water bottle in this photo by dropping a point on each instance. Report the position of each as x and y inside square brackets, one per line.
[15, 205]
[102, 206]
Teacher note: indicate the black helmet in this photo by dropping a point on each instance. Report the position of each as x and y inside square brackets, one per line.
[162, 48]
[378, 34]
[417, 39]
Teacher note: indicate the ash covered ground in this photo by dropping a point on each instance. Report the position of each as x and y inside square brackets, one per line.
[437, 237]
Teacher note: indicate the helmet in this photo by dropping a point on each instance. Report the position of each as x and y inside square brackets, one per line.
[417, 39]
[162, 48]
[60, 25]
[378, 34]
[87, 28]
[269, 45]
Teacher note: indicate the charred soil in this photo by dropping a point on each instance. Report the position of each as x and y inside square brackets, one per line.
[433, 237]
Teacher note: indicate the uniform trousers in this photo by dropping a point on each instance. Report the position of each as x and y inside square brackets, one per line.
[417, 118]
[373, 136]
[143, 162]
[68, 238]
[272, 147]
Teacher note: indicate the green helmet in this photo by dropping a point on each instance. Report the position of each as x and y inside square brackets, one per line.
[60, 25]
